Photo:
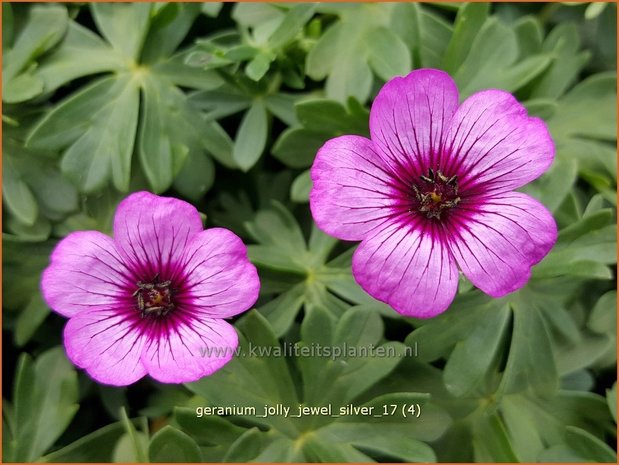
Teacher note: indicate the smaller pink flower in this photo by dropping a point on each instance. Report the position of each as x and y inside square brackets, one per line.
[432, 191]
[153, 298]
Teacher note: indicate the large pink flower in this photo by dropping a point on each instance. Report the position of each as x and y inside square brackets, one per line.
[151, 300]
[431, 192]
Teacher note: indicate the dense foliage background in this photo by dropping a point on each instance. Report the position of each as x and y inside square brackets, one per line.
[225, 106]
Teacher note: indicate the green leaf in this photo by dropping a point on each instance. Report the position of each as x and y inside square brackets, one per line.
[490, 440]
[22, 264]
[325, 451]
[56, 196]
[380, 439]
[172, 445]
[98, 126]
[171, 131]
[351, 77]
[434, 420]
[281, 449]
[38, 232]
[212, 9]
[207, 429]
[563, 43]
[603, 317]
[16, 195]
[526, 442]
[30, 319]
[196, 176]
[573, 117]
[331, 117]
[251, 136]
[165, 35]
[530, 364]
[342, 54]
[469, 20]
[472, 358]
[125, 451]
[44, 28]
[434, 36]
[180, 73]
[257, 68]
[136, 438]
[8, 21]
[611, 396]
[93, 447]
[21, 88]
[588, 446]
[282, 311]
[388, 54]
[322, 56]
[436, 338]
[246, 447]
[291, 25]
[297, 147]
[554, 186]
[493, 61]
[530, 35]
[582, 257]
[586, 353]
[281, 240]
[45, 397]
[253, 14]
[224, 101]
[301, 186]
[218, 143]
[282, 106]
[81, 53]
[123, 25]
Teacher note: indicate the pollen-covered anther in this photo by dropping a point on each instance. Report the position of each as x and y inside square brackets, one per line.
[435, 193]
[154, 298]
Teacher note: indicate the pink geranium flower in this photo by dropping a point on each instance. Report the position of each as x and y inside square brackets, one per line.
[153, 298]
[432, 191]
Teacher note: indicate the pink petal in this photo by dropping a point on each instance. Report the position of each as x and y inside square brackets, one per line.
[409, 117]
[107, 344]
[86, 272]
[220, 279]
[494, 145]
[179, 353]
[497, 240]
[151, 232]
[408, 267]
[352, 191]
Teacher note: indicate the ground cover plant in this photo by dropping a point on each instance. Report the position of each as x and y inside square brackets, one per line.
[182, 171]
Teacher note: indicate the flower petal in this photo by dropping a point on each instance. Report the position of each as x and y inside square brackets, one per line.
[86, 272]
[352, 192]
[108, 344]
[410, 116]
[408, 267]
[497, 240]
[220, 280]
[494, 145]
[151, 232]
[180, 353]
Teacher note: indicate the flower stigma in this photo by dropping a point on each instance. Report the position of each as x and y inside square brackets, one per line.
[154, 298]
[435, 193]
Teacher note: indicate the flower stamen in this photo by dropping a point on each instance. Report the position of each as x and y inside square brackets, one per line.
[154, 298]
[435, 193]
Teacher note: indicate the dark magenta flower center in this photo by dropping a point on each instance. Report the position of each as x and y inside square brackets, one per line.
[435, 193]
[154, 298]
